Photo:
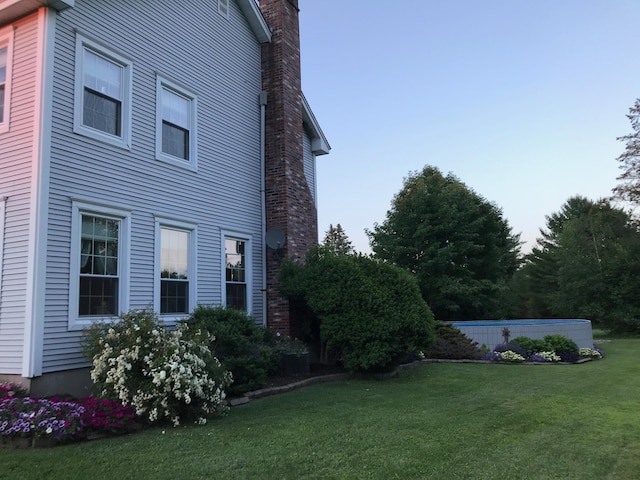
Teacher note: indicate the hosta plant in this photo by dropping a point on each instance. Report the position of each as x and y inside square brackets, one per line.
[161, 373]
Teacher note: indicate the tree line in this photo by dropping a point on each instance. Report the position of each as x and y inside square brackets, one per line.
[468, 264]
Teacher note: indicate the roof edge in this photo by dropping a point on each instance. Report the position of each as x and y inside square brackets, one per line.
[319, 143]
[256, 20]
[11, 10]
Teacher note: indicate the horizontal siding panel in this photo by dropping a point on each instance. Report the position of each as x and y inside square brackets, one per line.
[219, 59]
[16, 153]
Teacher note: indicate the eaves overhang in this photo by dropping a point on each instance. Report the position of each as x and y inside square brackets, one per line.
[319, 143]
[13, 9]
[256, 20]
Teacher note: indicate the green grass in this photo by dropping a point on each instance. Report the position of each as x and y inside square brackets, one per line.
[438, 421]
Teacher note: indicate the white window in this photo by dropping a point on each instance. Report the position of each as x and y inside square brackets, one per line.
[6, 51]
[175, 275]
[98, 286]
[223, 8]
[237, 271]
[175, 124]
[102, 94]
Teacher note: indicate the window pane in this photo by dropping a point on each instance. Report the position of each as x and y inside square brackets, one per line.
[175, 141]
[174, 296]
[175, 109]
[3, 65]
[101, 113]
[174, 253]
[1, 103]
[99, 246]
[237, 296]
[98, 296]
[3, 80]
[102, 76]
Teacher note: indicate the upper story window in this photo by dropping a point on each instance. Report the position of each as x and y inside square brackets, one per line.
[6, 49]
[176, 124]
[103, 93]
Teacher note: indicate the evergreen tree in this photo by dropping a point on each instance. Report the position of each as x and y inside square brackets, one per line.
[585, 266]
[629, 188]
[337, 241]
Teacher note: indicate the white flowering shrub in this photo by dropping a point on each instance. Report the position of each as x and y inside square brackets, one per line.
[546, 356]
[161, 373]
[590, 352]
[511, 356]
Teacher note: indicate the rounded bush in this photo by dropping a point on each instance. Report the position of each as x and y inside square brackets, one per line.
[532, 345]
[370, 313]
[562, 345]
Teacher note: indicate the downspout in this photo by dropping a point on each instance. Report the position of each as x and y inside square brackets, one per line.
[263, 207]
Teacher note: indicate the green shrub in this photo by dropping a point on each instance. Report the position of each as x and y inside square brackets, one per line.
[452, 344]
[370, 314]
[532, 345]
[162, 374]
[244, 348]
[562, 344]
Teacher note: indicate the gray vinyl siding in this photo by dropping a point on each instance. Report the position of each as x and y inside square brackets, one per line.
[218, 59]
[16, 155]
[309, 164]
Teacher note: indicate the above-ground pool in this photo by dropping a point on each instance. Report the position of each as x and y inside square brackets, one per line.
[490, 332]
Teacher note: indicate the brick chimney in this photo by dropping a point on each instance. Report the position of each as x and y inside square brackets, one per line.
[289, 203]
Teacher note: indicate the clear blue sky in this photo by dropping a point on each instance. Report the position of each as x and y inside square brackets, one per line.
[522, 100]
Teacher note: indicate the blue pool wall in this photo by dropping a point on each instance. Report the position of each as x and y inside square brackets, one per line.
[489, 332]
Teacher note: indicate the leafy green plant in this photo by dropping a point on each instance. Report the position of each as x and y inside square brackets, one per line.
[532, 345]
[561, 344]
[452, 344]
[163, 374]
[246, 349]
[369, 313]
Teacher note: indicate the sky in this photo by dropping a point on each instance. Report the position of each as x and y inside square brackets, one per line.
[522, 100]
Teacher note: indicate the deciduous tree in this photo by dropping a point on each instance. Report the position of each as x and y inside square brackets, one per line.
[456, 243]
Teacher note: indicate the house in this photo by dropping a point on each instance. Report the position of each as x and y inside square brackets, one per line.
[146, 150]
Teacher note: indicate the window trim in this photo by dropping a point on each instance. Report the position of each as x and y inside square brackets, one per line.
[78, 209]
[124, 139]
[6, 40]
[191, 163]
[192, 229]
[248, 256]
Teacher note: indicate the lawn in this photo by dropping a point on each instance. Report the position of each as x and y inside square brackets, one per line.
[438, 421]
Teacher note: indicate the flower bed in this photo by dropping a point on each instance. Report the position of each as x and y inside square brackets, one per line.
[27, 421]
